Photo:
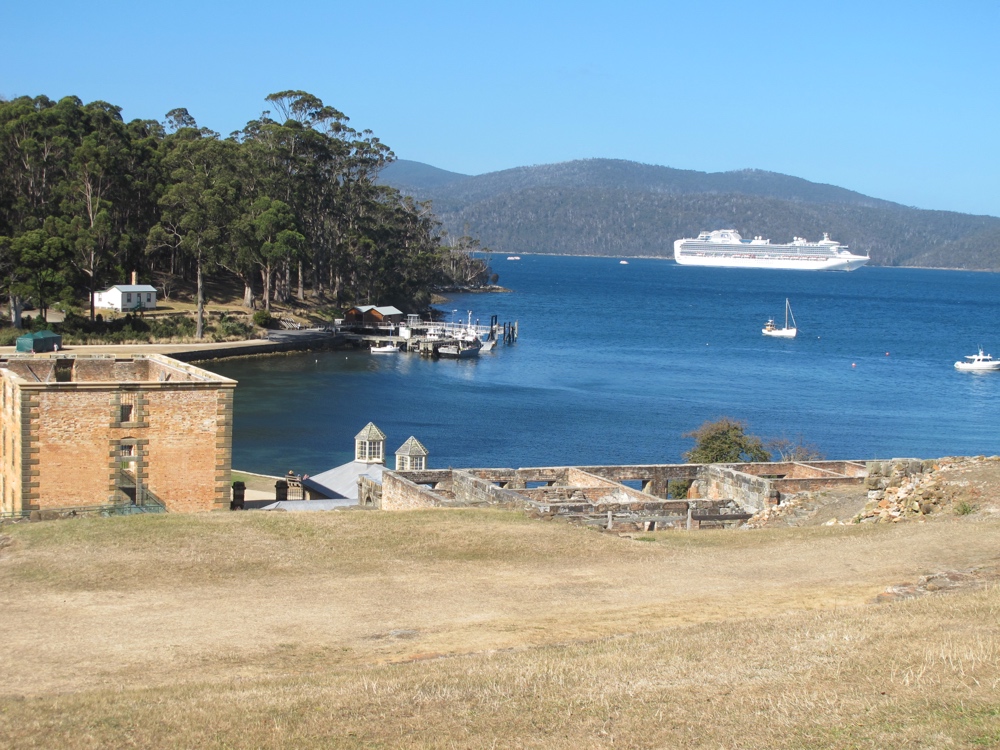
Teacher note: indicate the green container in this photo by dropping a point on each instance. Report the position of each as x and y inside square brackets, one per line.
[39, 341]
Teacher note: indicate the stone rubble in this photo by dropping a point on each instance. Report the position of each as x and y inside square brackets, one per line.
[942, 582]
[905, 489]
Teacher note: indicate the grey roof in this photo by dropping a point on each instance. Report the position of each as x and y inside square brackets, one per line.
[370, 433]
[306, 505]
[412, 447]
[131, 288]
[342, 481]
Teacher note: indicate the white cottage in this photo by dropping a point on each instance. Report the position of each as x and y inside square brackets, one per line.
[126, 298]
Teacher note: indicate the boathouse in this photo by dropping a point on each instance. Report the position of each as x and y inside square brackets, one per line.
[372, 315]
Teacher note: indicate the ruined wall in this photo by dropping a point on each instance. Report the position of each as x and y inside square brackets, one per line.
[74, 448]
[12, 461]
[654, 477]
[470, 490]
[748, 491]
[399, 493]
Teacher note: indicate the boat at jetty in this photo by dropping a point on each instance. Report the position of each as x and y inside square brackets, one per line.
[460, 349]
[725, 248]
[978, 362]
[770, 329]
[385, 349]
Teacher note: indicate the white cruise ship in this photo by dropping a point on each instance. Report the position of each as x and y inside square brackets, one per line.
[725, 248]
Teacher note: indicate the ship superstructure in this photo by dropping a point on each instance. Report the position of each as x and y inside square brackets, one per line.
[726, 248]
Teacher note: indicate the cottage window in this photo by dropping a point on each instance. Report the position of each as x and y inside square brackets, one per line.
[417, 463]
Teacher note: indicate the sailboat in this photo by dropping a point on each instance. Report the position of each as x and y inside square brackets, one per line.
[770, 329]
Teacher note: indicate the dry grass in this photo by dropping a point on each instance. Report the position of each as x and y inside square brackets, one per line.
[482, 629]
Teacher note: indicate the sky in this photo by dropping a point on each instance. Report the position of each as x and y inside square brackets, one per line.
[895, 99]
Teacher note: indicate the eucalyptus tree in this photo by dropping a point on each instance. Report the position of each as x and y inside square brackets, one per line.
[263, 237]
[35, 143]
[197, 203]
[310, 161]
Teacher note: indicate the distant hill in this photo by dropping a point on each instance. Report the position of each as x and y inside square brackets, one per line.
[614, 207]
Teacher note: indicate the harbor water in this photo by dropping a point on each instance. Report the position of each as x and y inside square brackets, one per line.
[615, 362]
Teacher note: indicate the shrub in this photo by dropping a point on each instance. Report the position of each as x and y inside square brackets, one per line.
[232, 328]
[262, 319]
[965, 508]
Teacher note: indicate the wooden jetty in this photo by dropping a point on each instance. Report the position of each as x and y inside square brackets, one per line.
[427, 337]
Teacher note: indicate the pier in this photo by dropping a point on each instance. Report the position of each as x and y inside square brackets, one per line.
[429, 337]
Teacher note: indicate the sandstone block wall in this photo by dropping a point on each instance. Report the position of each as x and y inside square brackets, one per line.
[80, 440]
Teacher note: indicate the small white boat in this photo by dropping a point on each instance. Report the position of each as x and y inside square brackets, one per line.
[513, 257]
[978, 362]
[488, 345]
[623, 262]
[385, 349]
[770, 329]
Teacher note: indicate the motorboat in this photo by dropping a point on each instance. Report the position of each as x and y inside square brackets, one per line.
[460, 349]
[385, 349]
[978, 362]
[770, 329]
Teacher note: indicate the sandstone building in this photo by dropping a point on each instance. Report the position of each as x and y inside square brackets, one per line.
[91, 430]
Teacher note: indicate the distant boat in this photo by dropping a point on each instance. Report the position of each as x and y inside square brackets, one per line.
[513, 257]
[978, 362]
[623, 262]
[770, 329]
[385, 349]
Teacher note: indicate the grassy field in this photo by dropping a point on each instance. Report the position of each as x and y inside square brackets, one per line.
[458, 629]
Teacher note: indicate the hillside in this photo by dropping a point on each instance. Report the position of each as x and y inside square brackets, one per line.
[614, 207]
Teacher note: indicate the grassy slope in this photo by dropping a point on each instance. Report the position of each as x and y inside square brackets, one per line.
[318, 630]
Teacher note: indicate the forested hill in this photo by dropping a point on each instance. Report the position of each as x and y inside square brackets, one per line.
[614, 207]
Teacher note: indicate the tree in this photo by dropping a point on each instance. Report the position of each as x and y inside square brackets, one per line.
[197, 205]
[725, 441]
[795, 450]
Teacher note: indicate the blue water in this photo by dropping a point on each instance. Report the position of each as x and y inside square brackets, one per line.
[615, 362]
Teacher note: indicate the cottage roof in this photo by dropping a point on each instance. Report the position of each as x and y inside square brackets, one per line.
[131, 288]
[388, 310]
[370, 433]
[342, 481]
[412, 447]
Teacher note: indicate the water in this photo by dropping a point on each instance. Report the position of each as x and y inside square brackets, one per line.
[615, 362]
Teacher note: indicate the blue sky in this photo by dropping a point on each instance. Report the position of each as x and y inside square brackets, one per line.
[899, 100]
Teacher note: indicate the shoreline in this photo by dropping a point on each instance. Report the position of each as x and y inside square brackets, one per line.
[285, 341]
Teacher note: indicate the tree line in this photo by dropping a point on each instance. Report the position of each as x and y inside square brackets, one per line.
[289, 205]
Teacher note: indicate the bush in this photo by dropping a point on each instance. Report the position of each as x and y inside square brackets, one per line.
[263, 319]
[232, 328]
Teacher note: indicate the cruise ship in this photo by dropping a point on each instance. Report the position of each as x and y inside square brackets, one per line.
[725, 248]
